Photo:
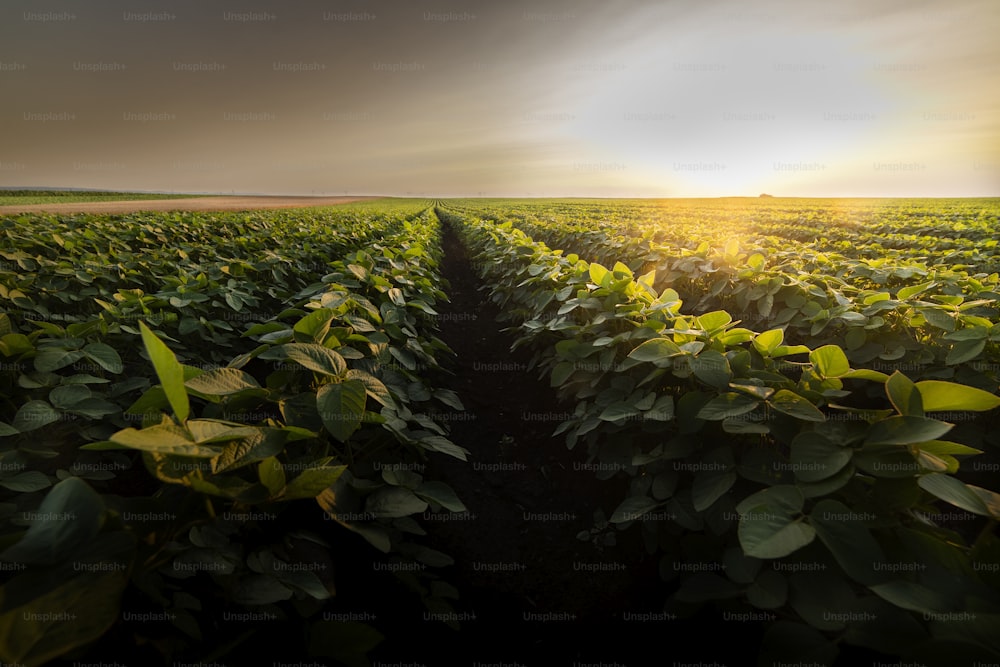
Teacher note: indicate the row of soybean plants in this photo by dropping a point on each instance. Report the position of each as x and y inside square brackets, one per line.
[926, 317]
[770, 479]
[198, 410]
[958, 231]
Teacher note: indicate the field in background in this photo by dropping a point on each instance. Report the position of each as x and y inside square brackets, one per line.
[127, 203]
[31, 197]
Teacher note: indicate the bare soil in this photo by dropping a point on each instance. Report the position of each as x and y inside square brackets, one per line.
[188, 204]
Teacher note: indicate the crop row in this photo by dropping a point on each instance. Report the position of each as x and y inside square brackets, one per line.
[772, 479]
[930, 320]
[200, 275]
[138, 469]
[946, 232]
[32, 197]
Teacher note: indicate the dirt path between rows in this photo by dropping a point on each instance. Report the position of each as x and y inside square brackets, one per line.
[531, 593]
[526, 582]
[187, 204]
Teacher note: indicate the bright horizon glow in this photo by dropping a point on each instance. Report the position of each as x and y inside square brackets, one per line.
[883, 98]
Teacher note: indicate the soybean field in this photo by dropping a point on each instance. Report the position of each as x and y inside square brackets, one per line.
[500, 430]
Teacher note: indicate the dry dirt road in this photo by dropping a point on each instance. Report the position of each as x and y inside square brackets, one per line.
[187, 204]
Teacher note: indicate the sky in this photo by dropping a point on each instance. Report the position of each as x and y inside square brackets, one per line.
[605, 98]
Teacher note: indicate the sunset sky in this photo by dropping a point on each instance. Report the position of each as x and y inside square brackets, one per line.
[516, 98]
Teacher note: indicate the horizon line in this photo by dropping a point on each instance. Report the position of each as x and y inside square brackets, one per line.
[233, 193]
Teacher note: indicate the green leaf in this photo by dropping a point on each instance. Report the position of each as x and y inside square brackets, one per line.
[341, 407]
[70, 516]
[66, 396]
[712, 368]
[259, 589]
[259, 445]
[102, 446]
[815, 457]
[34, 415]
[938, 395]
[442, 444]
[906, 292]
[906, 430]
[734, 337]
[599, 275]
[954, 491]
[163, 439]
[407, 478]
[393, 502]
[313, 327]
[168, 370]
[84, 605]
[768, 591]
[913, 596]
[312, 482]
[53, 358]
[855, 338]
[830, 361]
[207, 431]
[446, 396]
[971, 333]
[962, 351]
[442, 494]
[783, 496]
[13, 344]
[633, 508]
[937, 317]
[866, 374]
[945, 448]
[222, 382]
[562, 372]
[888, 461]
[617, 411]
[306, 581]
[316, 358]
[26, 482]
[377, 390]
[735, 425]
[905, 396]
[765, 534]
[105, 356]
[709, 486]
[989, 498]
[850, 542]
[657, 350]
[788, 350]
[757, 391]
[727, 405]
[769, 523]
[271, 475]
[661, 410]
[827, 486]
[767, 342]
[713, 320]
[796, 406]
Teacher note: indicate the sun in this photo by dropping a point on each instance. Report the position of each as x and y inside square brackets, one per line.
[766, 112]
